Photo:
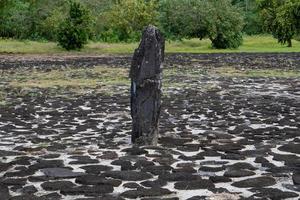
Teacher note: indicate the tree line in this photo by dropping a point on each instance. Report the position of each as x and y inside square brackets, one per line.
[224, 22]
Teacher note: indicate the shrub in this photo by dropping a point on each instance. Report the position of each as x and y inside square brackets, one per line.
[74, 32]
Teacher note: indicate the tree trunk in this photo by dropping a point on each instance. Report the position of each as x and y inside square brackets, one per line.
[290, 43]
[145, 74]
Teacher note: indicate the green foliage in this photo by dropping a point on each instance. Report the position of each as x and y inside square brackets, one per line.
[281, 18]
[217, 20]
[127, 18]
[250, 12]
[73, 33]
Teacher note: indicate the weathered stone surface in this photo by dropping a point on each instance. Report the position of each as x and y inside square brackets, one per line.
[263, 181]
[180, 176]
[156, 183]
[142, 192]
[61, 173]
[296, 178]
[88, 190]
[13, 181]
[238, 173]
[193, 185]
[4, 192]
[96, 169]
[145, 74]
[272, 193]
[292, 148]
[220, 179]
[157, 169]
[29, 189]
[97, 180]
[57, 185]
[128, 175]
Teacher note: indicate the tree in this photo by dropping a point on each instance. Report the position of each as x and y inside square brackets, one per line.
[74, 31]
[281, 18]
[217, 20]
[127, 18]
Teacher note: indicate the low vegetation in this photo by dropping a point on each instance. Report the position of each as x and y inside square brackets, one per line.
[251, 44]
[78, 81]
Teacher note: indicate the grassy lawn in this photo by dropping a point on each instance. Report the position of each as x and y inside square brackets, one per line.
[251, 44]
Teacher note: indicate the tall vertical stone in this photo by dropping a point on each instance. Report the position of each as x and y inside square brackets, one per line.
[146, 82]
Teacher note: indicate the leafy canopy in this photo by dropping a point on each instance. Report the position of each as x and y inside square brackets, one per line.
[281, 18]
[217, 20]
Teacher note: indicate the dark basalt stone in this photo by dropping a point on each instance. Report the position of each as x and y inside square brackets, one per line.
[193, 185]
[41, 164]
[142, 192]
[82, 160]
[61, 173]
[109, 155]
[57, 185]
[87, 190]
[197, 198]
[4, 192]
[145, 74]
[96, 169]
[166, 141]
[241, 165]
[157, 169]
[27, 197]
[272, 193]
[232, 156]
[13, 181]
[29, 190]
[292, 148]
[104, 197]
[153, 198]
[4, 166]
[220, 179]
[184, 169]
[128, 175]
[51, 196]
[131, 185]
[296, 178]
[135, 151]
[156, 183]
[143, 163]
[263, 181]
[211, 169]
[97, 180]
[238, 173]
[180, 176]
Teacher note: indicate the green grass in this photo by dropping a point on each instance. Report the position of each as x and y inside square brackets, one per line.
[251, 44]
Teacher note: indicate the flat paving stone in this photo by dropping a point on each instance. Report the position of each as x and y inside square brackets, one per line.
[142, 192]
[57, 185]
[263, 181]
[193, 185]
[128, 175]
[87, 190]
[61, 173]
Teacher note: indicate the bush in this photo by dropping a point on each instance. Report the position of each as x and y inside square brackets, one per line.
[74, 32]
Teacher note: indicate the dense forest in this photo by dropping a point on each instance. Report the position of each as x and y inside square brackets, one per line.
[222, 21]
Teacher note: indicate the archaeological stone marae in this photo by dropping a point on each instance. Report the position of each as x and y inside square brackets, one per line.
[146, 82]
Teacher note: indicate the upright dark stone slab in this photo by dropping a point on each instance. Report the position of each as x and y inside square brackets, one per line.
[146, 75]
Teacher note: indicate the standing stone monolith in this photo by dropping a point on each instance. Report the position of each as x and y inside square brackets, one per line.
[146, 82]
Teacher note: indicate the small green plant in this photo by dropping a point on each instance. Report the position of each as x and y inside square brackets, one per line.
[74, 32]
